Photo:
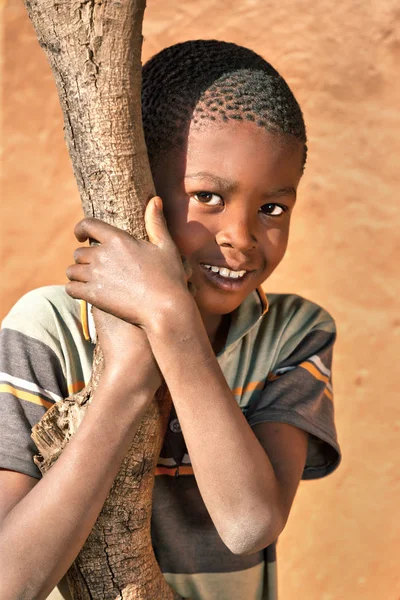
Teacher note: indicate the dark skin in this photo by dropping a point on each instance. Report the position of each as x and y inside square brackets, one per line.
[234, 215]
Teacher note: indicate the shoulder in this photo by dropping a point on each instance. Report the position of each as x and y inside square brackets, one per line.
[44, 297]
[44, 332]
[293, 308]
[44, 309]
[299, 336]
[46, 318]
[292, 315]
[292, 322]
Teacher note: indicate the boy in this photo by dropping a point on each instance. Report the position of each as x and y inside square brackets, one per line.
[249, 378]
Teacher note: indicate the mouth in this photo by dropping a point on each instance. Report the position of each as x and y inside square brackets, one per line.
[226, 279]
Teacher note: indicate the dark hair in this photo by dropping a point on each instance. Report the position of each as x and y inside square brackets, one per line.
[209, 79]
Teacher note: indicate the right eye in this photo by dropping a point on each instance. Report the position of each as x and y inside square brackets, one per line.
[208, 198]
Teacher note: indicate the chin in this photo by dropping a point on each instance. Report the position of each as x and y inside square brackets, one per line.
[219, 304]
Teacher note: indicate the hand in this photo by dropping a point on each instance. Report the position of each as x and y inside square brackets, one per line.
[131, 279]
[127, 352]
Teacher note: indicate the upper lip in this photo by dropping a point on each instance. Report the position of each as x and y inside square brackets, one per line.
[243, 267]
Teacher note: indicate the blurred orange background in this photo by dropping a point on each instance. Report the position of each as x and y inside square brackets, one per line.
[343, 537]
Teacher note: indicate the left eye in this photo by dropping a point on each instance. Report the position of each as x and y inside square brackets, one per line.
[273, 210]
[208, 198]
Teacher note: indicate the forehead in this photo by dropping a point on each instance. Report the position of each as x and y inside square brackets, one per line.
[242, 145]
[239, 151]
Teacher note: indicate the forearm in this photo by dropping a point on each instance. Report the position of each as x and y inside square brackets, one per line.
[233, 472]
[43, 533]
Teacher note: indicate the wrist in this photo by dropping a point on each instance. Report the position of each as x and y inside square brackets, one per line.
[174, 316]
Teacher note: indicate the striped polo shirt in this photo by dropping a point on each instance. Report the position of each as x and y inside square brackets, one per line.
[277, 362]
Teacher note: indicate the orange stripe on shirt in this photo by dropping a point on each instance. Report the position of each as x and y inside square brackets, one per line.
[317, 374]
[314, 372]
[23, 395]
[73, 388]
[273, 377]
[250, 387]
[171, 472]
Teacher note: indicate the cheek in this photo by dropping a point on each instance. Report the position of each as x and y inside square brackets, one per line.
[188, 228]
[176, 217]
[275, 245]
[189, 237]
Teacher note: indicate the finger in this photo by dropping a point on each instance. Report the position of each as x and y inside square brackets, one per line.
[78, 273]
[83, 255]
[78, 290]
[93, 229]
[156, 225]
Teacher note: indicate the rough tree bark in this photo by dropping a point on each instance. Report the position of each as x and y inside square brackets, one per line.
[94, 49]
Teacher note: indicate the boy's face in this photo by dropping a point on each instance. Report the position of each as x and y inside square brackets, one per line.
[228, 201]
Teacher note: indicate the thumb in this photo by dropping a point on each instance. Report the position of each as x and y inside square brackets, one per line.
[156, 225]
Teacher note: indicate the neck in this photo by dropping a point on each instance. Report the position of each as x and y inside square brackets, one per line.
[217, 329]
[211, 324]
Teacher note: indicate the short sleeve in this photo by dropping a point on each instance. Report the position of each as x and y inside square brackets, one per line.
[299, 392]
[36, 370]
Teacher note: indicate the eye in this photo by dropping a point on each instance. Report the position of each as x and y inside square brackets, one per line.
[273, 210]
[208, 198]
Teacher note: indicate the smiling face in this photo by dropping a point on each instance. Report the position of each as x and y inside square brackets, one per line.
[228, 201]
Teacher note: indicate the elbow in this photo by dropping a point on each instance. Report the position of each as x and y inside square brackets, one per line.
[247, 536]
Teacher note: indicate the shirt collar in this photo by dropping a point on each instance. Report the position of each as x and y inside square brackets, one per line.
[242, 319]
[88, 326]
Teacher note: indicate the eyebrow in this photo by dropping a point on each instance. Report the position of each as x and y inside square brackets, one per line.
[229, 185]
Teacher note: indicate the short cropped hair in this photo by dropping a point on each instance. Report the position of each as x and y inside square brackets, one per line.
[201, 80]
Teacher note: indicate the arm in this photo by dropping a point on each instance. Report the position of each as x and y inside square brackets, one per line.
[46, 524]
[247, 478]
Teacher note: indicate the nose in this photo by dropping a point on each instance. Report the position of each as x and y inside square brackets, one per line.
[237, 230]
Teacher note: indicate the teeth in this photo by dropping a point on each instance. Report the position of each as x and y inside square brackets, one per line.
[224, 272]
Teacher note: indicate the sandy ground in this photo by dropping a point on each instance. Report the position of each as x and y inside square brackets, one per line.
[342, 539]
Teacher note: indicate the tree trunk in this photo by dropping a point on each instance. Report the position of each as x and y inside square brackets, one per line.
[94, 49]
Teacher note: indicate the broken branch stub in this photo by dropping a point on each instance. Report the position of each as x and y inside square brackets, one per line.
[94, 49]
